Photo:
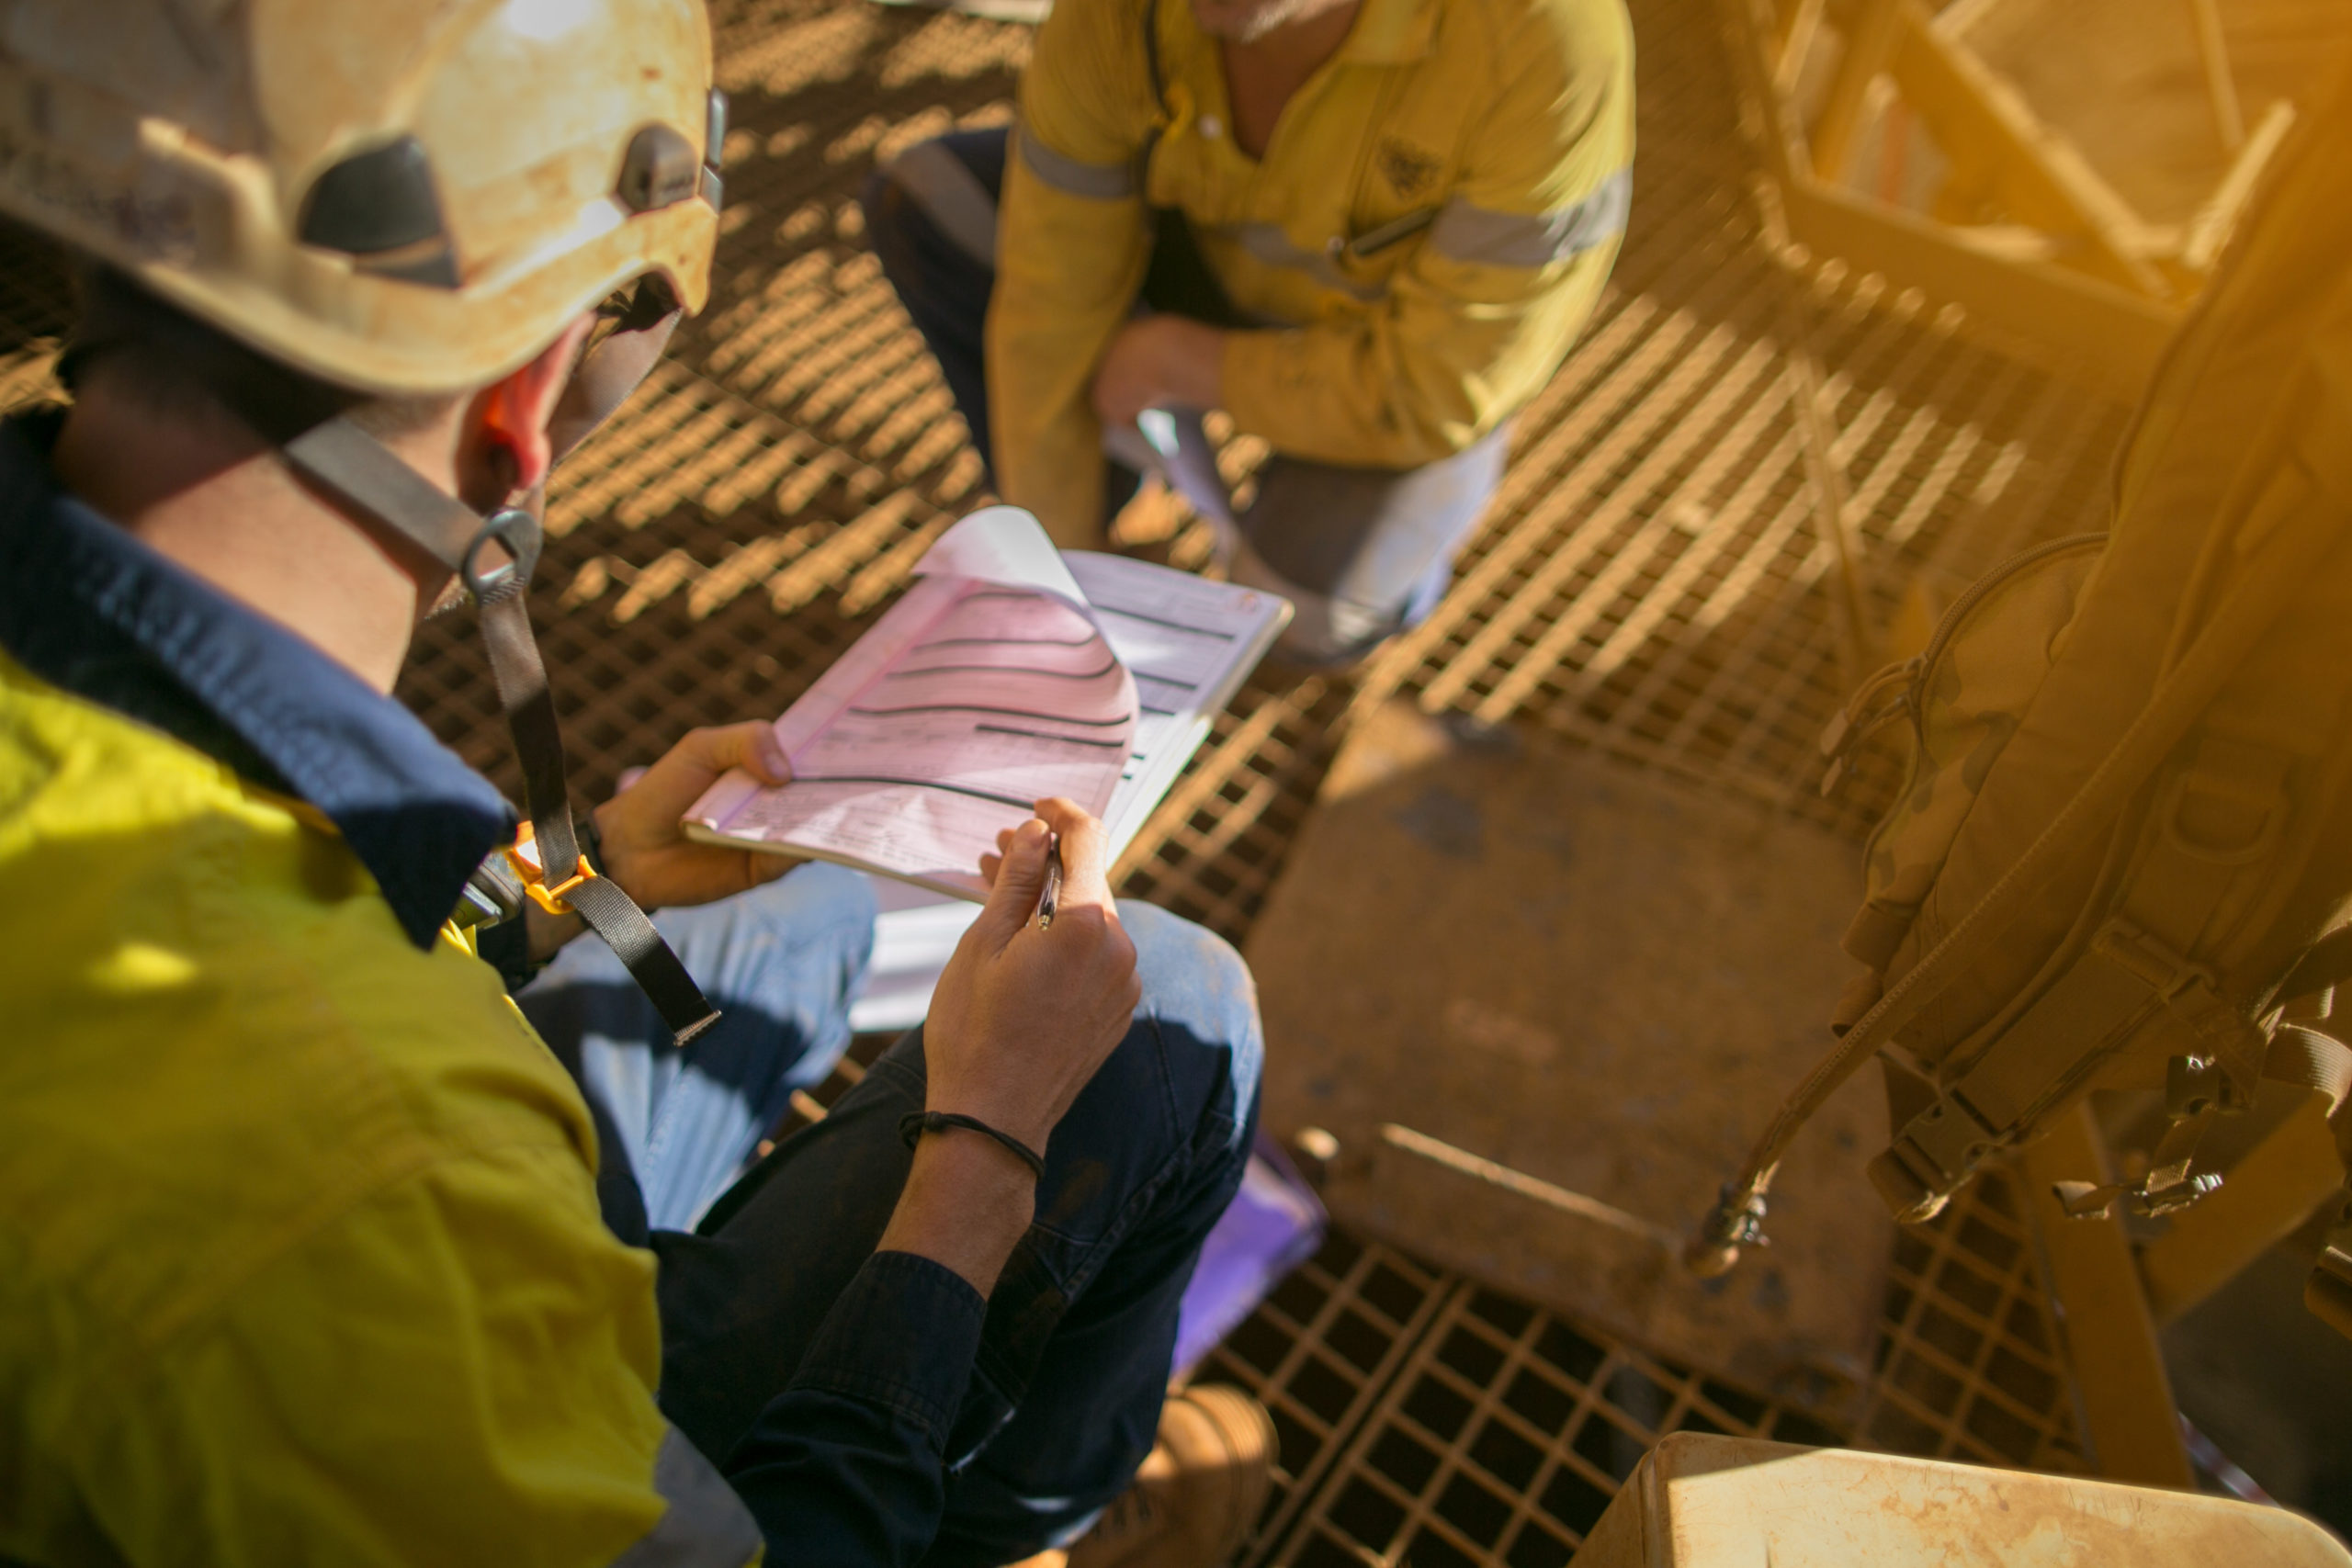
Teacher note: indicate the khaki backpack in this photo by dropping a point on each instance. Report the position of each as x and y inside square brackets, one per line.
[2122, 858]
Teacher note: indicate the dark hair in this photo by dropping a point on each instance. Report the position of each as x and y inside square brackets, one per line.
[177, 368]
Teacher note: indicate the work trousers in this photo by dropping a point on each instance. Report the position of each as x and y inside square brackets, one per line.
[1080, 1329]
[1362, 552]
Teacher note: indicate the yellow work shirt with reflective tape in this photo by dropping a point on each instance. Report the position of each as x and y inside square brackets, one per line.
[1430, 228]
[300, 1259]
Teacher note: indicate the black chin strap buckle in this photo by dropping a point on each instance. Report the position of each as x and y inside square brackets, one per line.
[518, 534]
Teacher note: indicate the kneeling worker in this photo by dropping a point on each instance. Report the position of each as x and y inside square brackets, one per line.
[311, 1249]
[1369, 229]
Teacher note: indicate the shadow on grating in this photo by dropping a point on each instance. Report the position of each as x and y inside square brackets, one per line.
[1653, 581]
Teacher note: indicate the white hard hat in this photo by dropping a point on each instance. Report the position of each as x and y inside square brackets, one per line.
[402, 197]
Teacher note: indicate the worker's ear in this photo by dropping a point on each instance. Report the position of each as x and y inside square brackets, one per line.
[510, 418]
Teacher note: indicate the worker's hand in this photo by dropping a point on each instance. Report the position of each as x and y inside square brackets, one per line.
[1025, 1015]
[1019, 1023]
[1160, 361]
[646, 852]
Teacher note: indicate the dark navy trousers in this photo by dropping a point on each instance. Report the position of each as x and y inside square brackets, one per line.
[1065, 1398]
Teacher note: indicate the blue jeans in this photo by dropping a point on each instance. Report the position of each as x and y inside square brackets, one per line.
[1362, 553]
[1065, 1394]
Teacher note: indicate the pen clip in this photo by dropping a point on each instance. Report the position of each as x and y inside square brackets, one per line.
[1390, 232]
[1050, 899]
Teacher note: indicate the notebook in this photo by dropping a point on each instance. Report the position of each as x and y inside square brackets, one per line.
[1009, 672]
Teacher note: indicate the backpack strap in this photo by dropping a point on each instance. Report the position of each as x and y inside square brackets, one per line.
[2323, 1063]
[2325, 965]
[2214, 838]
[1948, 1149]
[2313, 1059]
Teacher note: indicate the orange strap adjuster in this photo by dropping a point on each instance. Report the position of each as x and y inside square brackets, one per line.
[524, 856]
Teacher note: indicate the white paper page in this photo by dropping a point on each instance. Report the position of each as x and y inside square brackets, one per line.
[986, 687]
[1003, 544]
[915, 932]
[834, 690]
[1190, 644]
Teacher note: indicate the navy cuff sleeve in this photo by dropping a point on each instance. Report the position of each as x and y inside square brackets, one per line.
[904, 1334]
[848, 1465]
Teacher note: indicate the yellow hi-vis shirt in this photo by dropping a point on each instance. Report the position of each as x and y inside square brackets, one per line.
[1430, 228]
[300, 1259]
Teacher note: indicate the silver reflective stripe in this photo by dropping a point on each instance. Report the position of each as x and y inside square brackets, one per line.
[1467, 233]
[1269, 243]
[1095, 182]
[706, 1526]
[951, 195]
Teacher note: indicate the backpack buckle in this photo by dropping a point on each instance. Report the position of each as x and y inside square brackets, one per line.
[2155, 1201]
[2089, 1201]
[2229, 1047]
[2195, 1089]
[1953, 1139]
[2194, 1085]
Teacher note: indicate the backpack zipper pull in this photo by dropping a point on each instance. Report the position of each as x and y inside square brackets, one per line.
[1864, 714]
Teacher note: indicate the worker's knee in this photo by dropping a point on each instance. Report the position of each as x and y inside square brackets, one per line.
[818, 892]
[795, 947]
[1201, 1003]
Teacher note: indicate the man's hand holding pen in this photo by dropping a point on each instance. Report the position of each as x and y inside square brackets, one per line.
[1024, 1015]
[1021, 1021]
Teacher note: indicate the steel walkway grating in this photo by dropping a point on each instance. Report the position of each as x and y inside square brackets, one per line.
[1319, 1353]
[1967, 1367]
[1501, 1438]
[1655, 581]
[1427, 1420]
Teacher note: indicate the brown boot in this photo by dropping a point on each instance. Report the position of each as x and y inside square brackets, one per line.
[1199, 1492]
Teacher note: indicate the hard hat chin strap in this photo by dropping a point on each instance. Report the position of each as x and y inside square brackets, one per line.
[310, 423]
[360, 473]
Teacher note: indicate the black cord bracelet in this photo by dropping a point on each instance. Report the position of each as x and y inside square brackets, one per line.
[915, 1123]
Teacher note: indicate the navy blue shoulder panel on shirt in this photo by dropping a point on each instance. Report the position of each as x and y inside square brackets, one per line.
[92, 611]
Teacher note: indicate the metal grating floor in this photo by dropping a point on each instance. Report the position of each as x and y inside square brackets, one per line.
[1967, 1366]
[1498, 1432]
[1654, 582]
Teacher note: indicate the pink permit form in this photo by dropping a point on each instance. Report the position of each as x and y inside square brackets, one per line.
[986, 687]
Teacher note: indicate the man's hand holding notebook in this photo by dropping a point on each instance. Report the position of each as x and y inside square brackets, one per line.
[1009, 674]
